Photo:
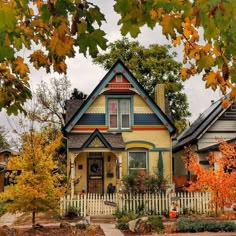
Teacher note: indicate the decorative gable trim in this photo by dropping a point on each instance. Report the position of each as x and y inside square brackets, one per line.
[119, 68]
[96, 140]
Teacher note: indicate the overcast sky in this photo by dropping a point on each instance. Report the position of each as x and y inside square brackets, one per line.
[84, 75]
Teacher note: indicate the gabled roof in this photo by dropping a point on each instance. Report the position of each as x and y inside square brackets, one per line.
[199, 126]
[119, 67]
[104, 140]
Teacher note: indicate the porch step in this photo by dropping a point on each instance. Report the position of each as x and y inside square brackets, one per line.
[103, 219]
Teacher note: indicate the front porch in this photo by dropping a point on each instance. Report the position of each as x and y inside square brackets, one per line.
[95, 171]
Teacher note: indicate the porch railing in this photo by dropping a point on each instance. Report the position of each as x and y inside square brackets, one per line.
[107, 204]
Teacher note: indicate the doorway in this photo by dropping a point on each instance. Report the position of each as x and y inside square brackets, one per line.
[95, 174]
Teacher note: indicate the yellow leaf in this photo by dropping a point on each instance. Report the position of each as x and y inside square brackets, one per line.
[153, 14]
[176, 41]
[186, 33]
[170, 24]
[20, 67]
[211, 80]
[216, 51]
[207, 47]
[184, 73]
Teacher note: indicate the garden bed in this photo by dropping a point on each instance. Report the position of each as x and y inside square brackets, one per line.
[52, 231]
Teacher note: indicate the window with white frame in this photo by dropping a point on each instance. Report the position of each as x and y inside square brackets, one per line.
[137, 160]
[119, 113]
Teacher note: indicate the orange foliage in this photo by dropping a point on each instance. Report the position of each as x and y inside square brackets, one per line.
[219, 178]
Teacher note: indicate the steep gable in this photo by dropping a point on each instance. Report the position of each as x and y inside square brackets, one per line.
[129, 84]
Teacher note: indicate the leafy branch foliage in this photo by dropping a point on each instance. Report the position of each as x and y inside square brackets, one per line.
[51, 31]
[183, 22]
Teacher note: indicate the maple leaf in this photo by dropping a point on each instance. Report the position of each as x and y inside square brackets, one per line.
[21, 67]
[60, 67]
[211, 80]
[205, 62]
[39, 59]
[169, 24]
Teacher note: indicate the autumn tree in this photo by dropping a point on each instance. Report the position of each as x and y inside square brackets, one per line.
[219, 178]
[151, 65]
[38, 187]
[186, 23]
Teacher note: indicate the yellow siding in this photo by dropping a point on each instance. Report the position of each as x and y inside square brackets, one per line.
[161, 138]
[140, 106]
[98, 105]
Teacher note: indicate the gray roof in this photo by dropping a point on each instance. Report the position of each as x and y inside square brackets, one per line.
[71, 107]
[190, 135]
[77, 141]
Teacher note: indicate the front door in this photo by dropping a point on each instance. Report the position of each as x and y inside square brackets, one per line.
[95, 175]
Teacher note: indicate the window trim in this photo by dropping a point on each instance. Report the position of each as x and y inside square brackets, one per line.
[138, 150]
[131, 117]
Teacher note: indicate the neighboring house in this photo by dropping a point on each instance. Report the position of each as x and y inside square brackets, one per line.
[4, 156]
[213, 124]
[116, 130]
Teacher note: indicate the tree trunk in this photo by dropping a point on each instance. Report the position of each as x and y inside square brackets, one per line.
[33, 218]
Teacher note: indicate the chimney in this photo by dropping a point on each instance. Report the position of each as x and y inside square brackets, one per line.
[160, 96]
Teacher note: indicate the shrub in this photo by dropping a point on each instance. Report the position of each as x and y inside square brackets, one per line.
[2, 208]
[196, 225]
[72, 212]
[156, 223]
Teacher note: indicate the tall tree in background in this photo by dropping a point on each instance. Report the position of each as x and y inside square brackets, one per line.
[38, 187]
[219, 178]
[51, 98]
[3, 138]
[152, 65]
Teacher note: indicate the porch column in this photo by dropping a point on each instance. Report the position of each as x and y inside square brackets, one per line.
[72, 174]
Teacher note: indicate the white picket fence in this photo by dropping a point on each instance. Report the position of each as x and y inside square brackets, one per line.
[107, 204]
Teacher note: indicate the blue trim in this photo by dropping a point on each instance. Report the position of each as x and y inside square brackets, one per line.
[119, 67]
[161, 150]
[92, 119]
[146, 119]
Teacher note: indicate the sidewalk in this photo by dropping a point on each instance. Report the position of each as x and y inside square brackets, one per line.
[110, 230]
[8, 219]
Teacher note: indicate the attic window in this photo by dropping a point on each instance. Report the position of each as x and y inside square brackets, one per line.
[119, 78]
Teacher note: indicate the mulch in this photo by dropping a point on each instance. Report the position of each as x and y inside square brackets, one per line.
[52, 231]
